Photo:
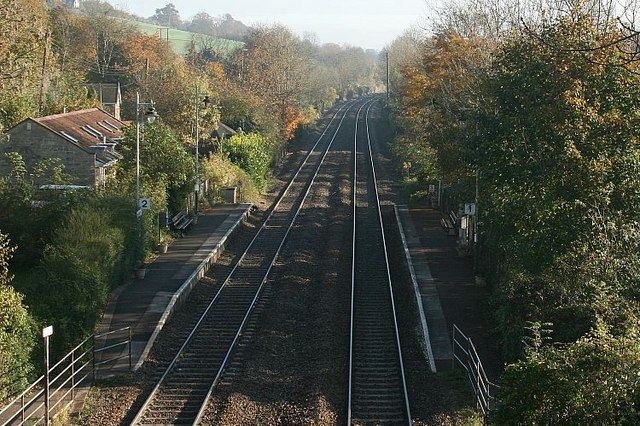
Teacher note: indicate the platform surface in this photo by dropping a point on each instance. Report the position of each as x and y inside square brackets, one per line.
[146, 304]
[448, 289]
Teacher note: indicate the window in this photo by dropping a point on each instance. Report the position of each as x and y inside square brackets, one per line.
[112, 126]
[93, 132]
[70, 136]
[104, 126]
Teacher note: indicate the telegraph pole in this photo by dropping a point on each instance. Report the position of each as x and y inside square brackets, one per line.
[388, 79]
[197, 184]
[44, 71]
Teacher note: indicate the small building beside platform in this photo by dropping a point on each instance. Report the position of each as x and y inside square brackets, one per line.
[84, 141]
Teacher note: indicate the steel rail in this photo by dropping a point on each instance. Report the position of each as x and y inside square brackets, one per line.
[387, 268]
[284, 239]
[354, 203]
[264, 225]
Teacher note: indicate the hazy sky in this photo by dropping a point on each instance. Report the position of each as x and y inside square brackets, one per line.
[366, 23]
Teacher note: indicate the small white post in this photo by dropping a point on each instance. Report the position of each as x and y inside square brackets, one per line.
[46, 334]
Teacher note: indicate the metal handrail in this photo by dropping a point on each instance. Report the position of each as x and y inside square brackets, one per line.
[28, 405]
[21, 395]
[70, 353]
[481, 385]
[71, 364]
[108, 333]
[115, 345]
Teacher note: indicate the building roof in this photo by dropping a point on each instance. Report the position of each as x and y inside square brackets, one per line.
[224, 131]
[107, 93]
[87, 127]
[92, 129]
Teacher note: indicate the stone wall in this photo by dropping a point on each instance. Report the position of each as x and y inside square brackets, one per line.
[36, 143]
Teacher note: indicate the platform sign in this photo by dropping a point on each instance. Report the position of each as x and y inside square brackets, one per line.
[144, 204]
[47, 331]
[470, 209]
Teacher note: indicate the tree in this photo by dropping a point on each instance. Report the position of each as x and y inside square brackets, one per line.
[17, 331]
[276, 68]
[248, 151]
[107, 38]
[77, 272]
[167, 165]
[22, 29]
[353, 66]
[202, 23]
[560, 146]
[167, 16]
[230, 28]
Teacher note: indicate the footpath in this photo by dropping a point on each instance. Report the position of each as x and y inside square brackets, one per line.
[146, 304]
[446, 289]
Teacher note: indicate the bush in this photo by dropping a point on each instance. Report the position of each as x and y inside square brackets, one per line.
[252, 153]
[18, 189]
[78, 270]
[222, 173]
[17, 332]
[595, 380]
[417, 160]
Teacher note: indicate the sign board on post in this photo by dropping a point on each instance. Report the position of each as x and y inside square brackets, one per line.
[432, 189]
[144, 204]
[464, 222]
[470, 209]
[47, 332]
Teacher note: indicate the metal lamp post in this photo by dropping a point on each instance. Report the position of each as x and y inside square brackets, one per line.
[150, 116]
[206, 102]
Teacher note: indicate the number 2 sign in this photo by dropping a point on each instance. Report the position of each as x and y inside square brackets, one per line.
[144, 204]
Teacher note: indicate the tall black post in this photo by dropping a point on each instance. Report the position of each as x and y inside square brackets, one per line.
[388, 76]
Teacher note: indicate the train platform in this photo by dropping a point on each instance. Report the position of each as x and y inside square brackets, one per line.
[447, 289]
[146, 304]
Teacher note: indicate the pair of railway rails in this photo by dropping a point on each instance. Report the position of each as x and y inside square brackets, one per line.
[377, 387]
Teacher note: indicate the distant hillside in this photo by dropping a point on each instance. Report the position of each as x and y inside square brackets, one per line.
[180, 40]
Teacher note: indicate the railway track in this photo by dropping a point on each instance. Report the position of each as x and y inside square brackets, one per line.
[377, 386]
[183, 390]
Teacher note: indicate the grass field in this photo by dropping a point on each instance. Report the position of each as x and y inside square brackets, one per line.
[181, 40]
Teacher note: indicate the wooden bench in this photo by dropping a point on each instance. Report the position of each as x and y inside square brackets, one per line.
[181, 221]
[449, 223]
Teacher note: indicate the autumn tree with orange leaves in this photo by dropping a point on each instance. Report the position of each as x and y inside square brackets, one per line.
[437, 99]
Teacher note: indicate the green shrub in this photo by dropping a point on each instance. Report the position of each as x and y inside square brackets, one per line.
[595, 380]
[222, 173]
[252, 152]
[17, 332]
[18, 189]
[78, 271]
[118, 212]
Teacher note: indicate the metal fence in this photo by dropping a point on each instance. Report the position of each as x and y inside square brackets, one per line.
[464, 352]
[62, 381]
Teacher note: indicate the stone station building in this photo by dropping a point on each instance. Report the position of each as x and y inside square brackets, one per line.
[84, 141]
